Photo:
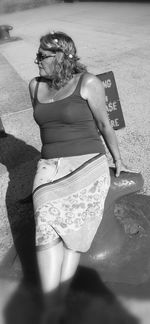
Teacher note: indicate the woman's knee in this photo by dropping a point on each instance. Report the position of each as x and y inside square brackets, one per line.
[51, 255]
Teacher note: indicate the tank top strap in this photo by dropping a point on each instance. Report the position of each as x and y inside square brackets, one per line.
[36, 90]
[78, 87]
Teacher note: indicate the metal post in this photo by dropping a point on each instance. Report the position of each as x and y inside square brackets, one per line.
[5, 36]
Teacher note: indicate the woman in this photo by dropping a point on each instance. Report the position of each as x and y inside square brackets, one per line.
[72, 178]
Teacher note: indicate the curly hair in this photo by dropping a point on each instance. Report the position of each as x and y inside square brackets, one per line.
[69, 65]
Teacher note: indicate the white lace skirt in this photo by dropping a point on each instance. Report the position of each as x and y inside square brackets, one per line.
[68, 196]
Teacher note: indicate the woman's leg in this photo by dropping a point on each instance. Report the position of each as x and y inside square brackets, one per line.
[50, 265]
[56, 265]
[69, 267]
[70, 263]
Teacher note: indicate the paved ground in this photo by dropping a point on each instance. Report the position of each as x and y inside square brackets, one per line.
[110, 37]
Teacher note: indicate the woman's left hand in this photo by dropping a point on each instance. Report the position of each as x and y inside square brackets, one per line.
[120, 166]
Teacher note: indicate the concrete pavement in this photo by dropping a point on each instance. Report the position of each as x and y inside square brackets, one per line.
[109, 36]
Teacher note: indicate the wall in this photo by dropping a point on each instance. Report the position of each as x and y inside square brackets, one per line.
[7, 6]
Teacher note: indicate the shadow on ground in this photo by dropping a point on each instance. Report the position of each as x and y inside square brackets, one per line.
[88, 301]
[20, 160]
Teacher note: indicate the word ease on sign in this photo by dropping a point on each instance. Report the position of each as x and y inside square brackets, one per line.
[113, 105]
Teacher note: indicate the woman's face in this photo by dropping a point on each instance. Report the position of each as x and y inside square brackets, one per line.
[46, 62]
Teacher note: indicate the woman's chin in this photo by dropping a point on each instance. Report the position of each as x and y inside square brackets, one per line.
[41, 72]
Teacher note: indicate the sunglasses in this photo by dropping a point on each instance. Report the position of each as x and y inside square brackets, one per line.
[40, 57]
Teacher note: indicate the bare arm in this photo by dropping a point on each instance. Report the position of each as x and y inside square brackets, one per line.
[32, 86]
[93, 92]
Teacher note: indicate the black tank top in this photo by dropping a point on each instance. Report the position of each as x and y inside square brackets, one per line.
[67, 126]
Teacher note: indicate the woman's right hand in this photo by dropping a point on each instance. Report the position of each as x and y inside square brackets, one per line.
[120, 166]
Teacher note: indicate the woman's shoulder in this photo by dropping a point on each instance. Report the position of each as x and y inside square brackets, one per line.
[32, 86]
[33, 82]
[90, 82]
[90, 78]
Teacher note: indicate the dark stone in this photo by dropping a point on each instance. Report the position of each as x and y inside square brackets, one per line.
[120, 250]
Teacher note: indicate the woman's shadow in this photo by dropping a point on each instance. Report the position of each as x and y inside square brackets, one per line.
[89, 300]
[20, 161]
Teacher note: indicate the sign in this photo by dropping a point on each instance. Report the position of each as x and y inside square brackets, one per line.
[113, 105]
